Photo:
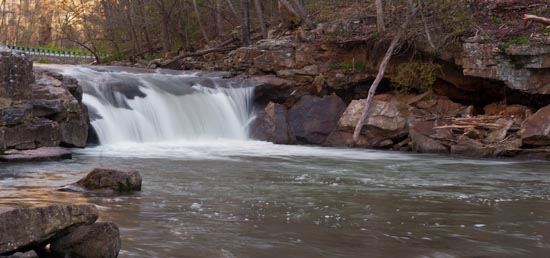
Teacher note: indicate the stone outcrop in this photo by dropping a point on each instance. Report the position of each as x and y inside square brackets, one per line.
[520, 67]
[271, 125]
[99, 240]
[312, 119]
[42, 112]
[107, 180]
[60, 98]
[385, 125]
[29, 228]
[535, 130]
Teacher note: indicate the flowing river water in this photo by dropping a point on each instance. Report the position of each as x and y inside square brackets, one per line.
[210, 192]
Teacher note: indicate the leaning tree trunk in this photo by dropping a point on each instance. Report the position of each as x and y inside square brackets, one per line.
[245, 23]
[380, 75]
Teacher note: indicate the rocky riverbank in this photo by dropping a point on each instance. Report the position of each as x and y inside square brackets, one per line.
[478, 98]
[38, 109]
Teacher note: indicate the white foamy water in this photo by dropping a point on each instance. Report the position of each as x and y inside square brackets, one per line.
[158, 107]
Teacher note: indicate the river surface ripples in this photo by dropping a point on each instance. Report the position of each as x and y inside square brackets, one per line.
[252, 199]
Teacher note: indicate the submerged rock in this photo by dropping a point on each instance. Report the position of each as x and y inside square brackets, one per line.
[29, 228]
[99, 240]
[312, 119]
[40, 154]
[271, 125]
[107, 180]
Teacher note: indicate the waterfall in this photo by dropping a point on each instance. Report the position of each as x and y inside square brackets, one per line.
[143, 106]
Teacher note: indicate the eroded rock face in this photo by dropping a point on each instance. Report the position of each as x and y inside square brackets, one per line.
[271, 125]
[99, 240]
[59, 98]
[312, 119]
[28, 228]
[385, 124]
[535, 130]
[109, 179]
[521, 68]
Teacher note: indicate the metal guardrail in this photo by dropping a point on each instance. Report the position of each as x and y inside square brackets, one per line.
[51, 53]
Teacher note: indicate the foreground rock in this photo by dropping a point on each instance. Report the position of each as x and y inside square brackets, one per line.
[271, 125]
[312, 119]
[99, 240]
[107, 180]
[30, 228]
[40, 154]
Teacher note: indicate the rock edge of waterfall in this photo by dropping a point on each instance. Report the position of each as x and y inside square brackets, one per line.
[39, 109]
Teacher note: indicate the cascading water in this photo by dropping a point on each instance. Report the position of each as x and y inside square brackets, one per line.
[129, 106]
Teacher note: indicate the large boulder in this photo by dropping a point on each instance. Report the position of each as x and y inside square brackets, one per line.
[99, 240]
[535, 130]
[271, 125]
[108, 180]
[312, 119]
[15, 75]
[385, 125]
[29, 228]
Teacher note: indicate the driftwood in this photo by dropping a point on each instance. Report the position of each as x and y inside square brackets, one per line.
[538, 19]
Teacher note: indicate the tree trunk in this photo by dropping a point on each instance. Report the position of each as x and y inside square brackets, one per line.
[380, 75]
[219, 22]
[201, 27]
[245, 23]
[380, 25]
[261, 18]
[303, 15]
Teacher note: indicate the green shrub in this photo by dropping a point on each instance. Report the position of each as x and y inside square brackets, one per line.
[415, 74]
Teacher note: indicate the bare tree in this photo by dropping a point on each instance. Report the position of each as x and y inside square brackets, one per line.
[261, 18]
[245, 23]
[380, 25]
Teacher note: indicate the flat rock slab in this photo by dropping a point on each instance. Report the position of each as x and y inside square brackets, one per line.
[28, 228]
[40, 154]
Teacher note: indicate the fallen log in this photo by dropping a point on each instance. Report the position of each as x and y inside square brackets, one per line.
[538, 19]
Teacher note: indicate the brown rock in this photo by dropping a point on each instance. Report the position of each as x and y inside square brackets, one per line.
[28, 228]
[99, 240]
[312, 119]
[420, 133]
[535, 130]
[472, 148]
[271, 125]
[109, 179]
